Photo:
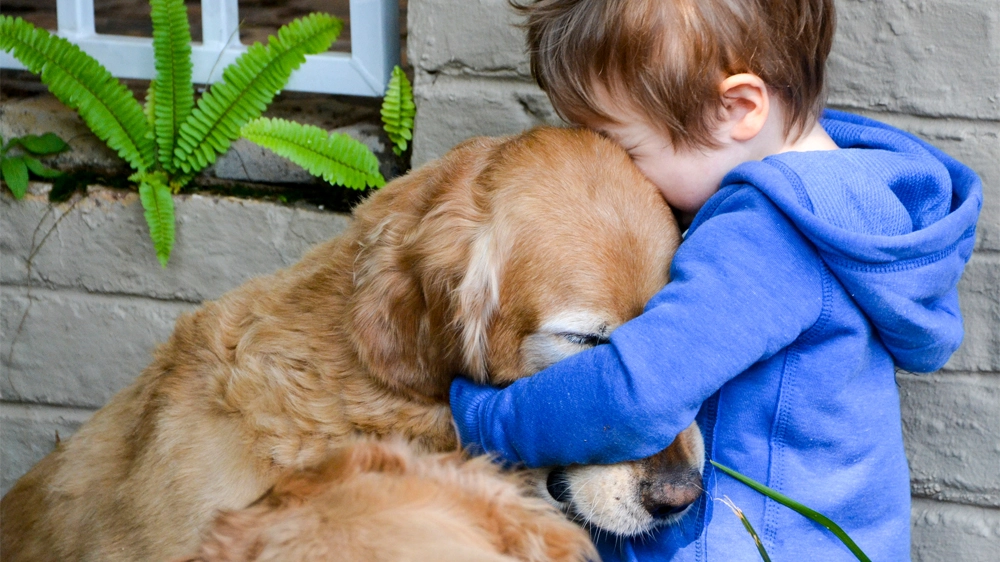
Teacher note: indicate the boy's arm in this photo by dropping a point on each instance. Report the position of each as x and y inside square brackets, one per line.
[745, 284]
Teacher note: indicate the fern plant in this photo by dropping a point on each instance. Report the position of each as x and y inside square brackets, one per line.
[335, 157]
[172, 138]
[398, 111]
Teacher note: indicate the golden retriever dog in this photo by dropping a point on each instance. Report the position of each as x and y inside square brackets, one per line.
[495, 261]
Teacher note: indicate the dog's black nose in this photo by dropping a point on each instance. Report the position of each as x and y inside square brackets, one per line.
[666, 500]
[558, 485]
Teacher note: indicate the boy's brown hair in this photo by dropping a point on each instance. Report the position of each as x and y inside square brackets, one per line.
[666, 58]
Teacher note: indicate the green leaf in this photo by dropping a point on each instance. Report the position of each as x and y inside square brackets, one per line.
[247, 87]
[154, 192]
[173, 97]
[15, 173]
[799, 508]
[337, 158]
[398, 110]
[39, 169]
[80, 82]
[49, 143]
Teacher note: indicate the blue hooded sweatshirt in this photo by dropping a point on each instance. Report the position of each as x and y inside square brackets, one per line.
[797, 290]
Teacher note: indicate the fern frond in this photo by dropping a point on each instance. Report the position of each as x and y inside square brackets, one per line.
[149, 107]
[158, 204]
[247, 87]
[398, 110]
[80, 82]
[174, 97]
[337, 158]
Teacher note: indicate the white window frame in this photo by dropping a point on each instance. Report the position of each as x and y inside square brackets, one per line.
[365, 71]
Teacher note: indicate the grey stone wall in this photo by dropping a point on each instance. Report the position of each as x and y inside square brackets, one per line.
[931, 67]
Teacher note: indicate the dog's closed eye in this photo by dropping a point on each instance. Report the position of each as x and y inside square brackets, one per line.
[562, 336]
[587, 340]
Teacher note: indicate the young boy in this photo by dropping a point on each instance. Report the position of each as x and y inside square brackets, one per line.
[821, 253]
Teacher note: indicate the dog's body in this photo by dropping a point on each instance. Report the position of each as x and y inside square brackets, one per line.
[382, 502]
[469, 265]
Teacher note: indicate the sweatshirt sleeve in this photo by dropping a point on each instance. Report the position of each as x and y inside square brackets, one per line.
[744, 285]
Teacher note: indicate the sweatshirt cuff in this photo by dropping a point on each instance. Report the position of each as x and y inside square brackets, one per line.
[467, 401]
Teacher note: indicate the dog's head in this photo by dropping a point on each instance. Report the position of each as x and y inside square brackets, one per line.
[506, 256]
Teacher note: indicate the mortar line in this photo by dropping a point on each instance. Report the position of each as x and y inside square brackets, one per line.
[77, 291]
[24, 407]
[953, 502]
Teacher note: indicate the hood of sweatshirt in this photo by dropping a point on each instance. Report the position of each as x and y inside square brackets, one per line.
[893, 218]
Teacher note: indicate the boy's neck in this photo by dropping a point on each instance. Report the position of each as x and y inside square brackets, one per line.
[814, 139]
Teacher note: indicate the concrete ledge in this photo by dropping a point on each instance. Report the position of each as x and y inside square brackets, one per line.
[950, 425]
[945, 532]
[28, 433]
[244, 161]
[102, 244]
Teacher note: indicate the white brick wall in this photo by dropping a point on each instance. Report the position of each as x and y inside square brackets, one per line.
[931, 67]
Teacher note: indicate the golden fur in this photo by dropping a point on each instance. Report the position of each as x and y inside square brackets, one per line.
[450, 269]
[435, 508]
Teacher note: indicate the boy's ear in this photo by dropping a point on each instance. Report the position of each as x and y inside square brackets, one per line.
[745, 105]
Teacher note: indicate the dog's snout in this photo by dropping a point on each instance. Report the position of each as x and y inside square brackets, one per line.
[557, 485]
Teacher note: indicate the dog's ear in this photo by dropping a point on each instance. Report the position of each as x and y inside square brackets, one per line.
[423, 278]
[479, 297]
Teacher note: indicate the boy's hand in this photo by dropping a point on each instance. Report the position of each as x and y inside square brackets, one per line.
[467, 401]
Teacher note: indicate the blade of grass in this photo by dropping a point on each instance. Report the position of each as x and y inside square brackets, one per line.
[746, 525]
[797, 507]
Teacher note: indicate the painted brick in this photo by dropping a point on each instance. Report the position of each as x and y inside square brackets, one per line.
[945, 532]
[925, 57]
[28, 433]
[453, 109]
[474, 37]
[979, 298]
[102, 245]
[950, 424]
[77, 349]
